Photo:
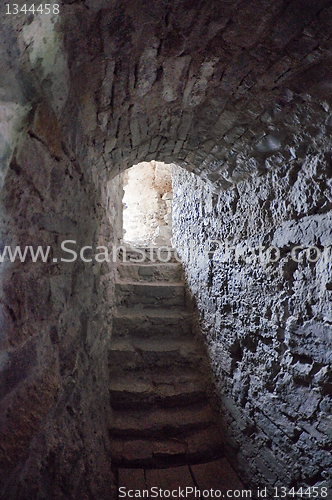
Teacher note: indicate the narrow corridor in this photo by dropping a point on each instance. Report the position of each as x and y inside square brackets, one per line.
[159, 390]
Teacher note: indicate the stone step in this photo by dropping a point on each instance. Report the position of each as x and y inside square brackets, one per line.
[161, 422]
[158, 389]
[126, 392]
[171, 272]
[197, 446]
[141, 354]
[151, 295]
[144, 323]
[139, 255]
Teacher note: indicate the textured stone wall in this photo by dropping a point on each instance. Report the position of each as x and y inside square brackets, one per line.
[88, 93]
[206, 85]
[267, 325]
[55, 323]
[55, 316]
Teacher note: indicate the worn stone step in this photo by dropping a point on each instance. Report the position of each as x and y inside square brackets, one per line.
[161, 295]
[143, 323]
[181, 373]
[197, 446]
[171, 272]
[126, 392]
[161, 422]
[141, 354]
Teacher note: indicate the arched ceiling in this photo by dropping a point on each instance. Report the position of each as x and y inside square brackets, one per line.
[225, 88]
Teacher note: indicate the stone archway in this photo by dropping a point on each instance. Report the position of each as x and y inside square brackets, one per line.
[147, 215]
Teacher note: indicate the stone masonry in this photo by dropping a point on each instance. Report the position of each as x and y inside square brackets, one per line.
[238, 94]
[267, 324]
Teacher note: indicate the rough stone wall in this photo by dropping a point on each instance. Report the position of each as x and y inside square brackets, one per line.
[55, 325]
[101, 87]
[267, 325]
[205, 85]
[55, 317]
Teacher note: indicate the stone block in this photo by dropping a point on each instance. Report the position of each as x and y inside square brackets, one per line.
[265, 471]
[295, 17]
[272, 431]
[135, 131]
[46, 128]
[276, 464]
[325, 426]
[15, 366]
[185, 126]
[24, 416]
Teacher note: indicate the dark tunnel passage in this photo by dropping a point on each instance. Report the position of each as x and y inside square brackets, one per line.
[239, 95]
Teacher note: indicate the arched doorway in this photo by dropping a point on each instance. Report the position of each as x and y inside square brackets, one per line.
[147, 214]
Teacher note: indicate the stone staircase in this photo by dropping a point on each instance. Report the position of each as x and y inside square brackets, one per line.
[161, 414]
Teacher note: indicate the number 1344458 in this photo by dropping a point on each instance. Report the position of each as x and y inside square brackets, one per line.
[46, 8]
